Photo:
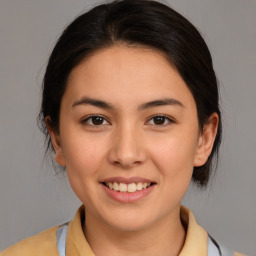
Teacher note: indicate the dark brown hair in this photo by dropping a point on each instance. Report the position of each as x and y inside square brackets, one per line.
[141, 23]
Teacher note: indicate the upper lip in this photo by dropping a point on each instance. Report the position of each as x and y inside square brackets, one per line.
[127, 180]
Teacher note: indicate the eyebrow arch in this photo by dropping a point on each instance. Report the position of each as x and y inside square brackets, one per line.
[105, 105]
[93, 102]
[160, 102]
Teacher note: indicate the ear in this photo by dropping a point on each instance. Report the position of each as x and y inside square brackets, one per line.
[56, 142]
[206, 140]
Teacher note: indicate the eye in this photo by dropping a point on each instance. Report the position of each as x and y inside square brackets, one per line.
[160, 120]
[95, 121]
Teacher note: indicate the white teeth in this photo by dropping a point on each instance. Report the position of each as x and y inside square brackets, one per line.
[139, 186]
[144, 185]
[116, 186]
[110, 185]
[131, 188]
[123, 187]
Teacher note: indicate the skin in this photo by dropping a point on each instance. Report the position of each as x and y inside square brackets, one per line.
[129, 143]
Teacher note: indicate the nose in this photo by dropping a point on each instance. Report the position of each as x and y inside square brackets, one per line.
[127, 148]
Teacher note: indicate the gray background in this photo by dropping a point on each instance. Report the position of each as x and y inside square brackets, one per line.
[33, 198]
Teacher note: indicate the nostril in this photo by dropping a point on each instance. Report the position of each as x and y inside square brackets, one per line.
[127, 155]
[126, 164]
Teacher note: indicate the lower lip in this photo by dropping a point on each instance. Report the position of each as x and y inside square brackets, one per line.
[127, 197]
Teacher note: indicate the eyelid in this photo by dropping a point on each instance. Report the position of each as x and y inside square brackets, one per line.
[168, 118]
[85, 119]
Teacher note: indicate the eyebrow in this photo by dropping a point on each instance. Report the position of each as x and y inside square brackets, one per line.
[105, 105]
[160, 102]
[93, 102]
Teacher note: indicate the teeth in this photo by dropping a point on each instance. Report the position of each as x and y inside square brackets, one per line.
[139, 186]
[131, 188]
[123, 187]
[110, 185]
[115, 186]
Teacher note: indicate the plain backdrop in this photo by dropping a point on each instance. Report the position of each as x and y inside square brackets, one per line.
[33, 198]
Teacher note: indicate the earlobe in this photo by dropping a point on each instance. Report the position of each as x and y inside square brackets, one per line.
[206, 140]
[56, 142]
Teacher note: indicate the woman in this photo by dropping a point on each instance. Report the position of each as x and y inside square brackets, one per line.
[130, 108]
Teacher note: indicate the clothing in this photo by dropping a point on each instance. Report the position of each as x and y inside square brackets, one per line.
[197, 242]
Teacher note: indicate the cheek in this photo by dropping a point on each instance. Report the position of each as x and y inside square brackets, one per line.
[83, 153]
[84, 160]
[174, 161]
[174, 155]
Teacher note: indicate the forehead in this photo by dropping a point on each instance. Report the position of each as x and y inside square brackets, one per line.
[123, 73]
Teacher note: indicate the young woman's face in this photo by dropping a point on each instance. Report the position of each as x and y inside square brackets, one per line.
[128, 122]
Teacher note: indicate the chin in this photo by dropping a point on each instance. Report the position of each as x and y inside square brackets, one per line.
[127, 226]
[130, 221]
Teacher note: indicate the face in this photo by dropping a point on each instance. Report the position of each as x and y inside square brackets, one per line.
[129, 137]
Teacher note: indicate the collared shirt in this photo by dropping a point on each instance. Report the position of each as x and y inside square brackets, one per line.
[75, 244]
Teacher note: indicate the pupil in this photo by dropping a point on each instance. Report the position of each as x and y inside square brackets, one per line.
[159, 120]
[97, 120]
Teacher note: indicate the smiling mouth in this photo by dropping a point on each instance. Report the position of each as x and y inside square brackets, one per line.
[131, 187]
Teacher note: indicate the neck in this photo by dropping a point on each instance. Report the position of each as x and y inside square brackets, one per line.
[166, 237]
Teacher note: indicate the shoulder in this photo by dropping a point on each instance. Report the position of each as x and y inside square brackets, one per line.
[215, 248]
[198, 241]
[43, 243]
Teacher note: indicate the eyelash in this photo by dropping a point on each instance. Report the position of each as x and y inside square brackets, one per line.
[166, 118]
[86, 120]
[106, 122]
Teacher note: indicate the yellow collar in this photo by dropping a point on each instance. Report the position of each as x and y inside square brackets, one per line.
[195, 243]
[196, 238]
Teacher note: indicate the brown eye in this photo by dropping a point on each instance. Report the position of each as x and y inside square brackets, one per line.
[95, 121]
[159, 120]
